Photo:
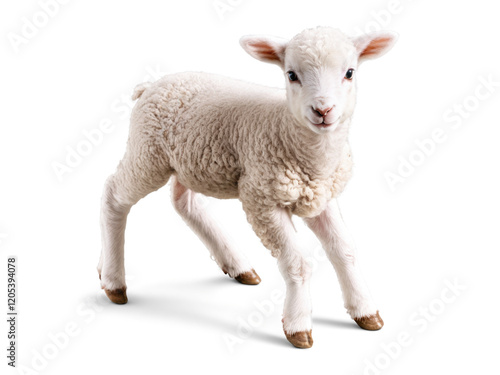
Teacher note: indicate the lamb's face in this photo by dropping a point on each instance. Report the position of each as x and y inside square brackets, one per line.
[320, 70]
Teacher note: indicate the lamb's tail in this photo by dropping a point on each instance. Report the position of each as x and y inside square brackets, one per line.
[139, 89]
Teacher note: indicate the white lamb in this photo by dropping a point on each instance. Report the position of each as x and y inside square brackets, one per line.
[281, 152]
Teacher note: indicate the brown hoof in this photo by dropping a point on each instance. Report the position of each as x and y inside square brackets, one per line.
[248, 278]
[371, 322]
[118, 296]
[302, 340]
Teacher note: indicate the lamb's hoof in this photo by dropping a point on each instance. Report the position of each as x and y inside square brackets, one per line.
[301, 340]
[248, 278]
[371, 322]
[118, 296]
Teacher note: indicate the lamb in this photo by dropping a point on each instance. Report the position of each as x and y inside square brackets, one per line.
[280, 152]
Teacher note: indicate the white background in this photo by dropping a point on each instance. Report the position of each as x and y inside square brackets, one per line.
[440, 225]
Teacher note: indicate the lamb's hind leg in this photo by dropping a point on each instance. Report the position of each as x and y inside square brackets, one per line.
[229, 259]
[122, 190]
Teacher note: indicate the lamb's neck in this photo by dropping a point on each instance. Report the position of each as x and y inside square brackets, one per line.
[318, 155]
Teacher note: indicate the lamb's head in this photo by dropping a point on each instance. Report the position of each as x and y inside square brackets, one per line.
[320, 70]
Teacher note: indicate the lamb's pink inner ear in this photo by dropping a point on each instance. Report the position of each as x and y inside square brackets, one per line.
[375, 47]
[264, 50]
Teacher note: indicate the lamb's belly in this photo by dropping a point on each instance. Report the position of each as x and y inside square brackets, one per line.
[217, 189]
[213, 182]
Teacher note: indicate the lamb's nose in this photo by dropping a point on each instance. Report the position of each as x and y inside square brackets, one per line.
[322, 111]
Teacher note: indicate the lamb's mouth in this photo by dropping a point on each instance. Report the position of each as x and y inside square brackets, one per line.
[324, 125]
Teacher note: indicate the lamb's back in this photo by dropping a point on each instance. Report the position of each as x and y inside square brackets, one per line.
[205, 124]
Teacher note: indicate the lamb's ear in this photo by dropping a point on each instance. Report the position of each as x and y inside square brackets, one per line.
[373, 45]
[265, 48]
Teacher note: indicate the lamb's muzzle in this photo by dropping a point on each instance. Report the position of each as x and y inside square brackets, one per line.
[322, 112]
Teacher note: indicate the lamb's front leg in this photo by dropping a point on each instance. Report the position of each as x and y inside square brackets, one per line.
[339, 246]
[274, 227]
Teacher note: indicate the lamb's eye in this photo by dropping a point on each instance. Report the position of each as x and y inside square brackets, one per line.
[349, 74]
[292, 76]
